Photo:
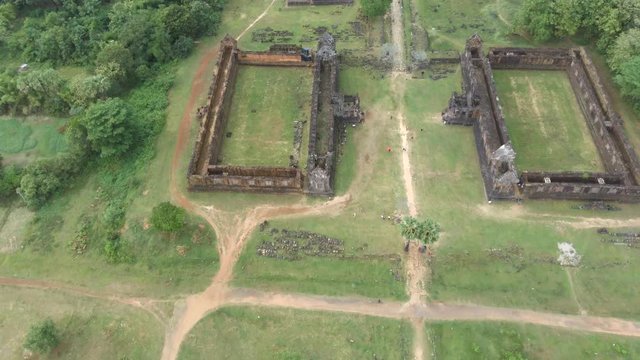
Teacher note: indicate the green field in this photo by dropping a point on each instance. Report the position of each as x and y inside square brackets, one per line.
[545, 123]
[266, 103]
[472, 340]
[26, 139]
[257, 333]
[88, 328]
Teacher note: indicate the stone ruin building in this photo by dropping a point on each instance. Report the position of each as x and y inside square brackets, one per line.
[478, 106]
[330, 110]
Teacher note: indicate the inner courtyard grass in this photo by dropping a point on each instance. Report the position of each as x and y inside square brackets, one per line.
[547, 127]
[266, 103]
[260, 333]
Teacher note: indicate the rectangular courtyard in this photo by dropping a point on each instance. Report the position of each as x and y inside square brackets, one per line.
[545, 122]
[266, 104]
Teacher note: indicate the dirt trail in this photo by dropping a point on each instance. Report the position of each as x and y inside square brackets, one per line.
[145, 304]
[574, 295]
[416, 268]
[256, 20]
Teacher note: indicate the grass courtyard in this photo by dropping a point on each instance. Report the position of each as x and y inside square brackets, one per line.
[547, 127]
[261, 333]
[266, 103]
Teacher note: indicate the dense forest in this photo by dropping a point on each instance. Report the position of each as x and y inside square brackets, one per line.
[116, 106]
[614, 26]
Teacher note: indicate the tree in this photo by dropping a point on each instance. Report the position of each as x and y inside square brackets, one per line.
[42, 337]
[86, 89]
[43, 178]
[114, 62]
[168, 217]
[626, 46]
[426, 232]
[375, 8]
[629, 80]
[9, 180]
[109, 127]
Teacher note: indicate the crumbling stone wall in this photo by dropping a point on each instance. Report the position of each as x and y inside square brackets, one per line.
[330, 110]
[277, 55]
[479, 107]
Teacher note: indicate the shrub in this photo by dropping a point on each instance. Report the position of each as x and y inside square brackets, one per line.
[42, 337]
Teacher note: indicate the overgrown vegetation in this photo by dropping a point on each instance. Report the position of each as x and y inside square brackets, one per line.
[375, 8]
[117, 106]
[613, 25]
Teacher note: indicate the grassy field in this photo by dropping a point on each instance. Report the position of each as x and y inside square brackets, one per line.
[471, 340]
[88, 327]
[25, 139]
[547, 127]
[257, 333]
[266, 103]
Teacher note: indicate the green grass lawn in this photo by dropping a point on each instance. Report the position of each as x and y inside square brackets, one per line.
[258, 333]
[26, 139]
[547, 127]
[266, 103]
[88, 328]
[472, 340]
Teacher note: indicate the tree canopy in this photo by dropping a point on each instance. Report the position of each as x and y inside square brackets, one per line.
[168, 217]
[426, 231]
[109, 127]
[374, 8]
[42, 337]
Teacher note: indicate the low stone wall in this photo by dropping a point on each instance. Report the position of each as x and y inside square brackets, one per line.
[527, 58]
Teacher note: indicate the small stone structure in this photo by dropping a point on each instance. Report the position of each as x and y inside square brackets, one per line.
[329, 111]
[479, 106]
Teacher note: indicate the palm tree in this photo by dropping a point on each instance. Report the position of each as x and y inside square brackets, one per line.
[426, 232]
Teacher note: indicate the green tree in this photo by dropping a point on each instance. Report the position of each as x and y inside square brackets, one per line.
[114, 62]
[44, 178]
[168, 217]
[109, 127]
[626, 46]
[42, 91]
[84, 90]
[7, 16]
[425, 232]
[42, 337]
[375, 8]
[9, 180]
[629, 80]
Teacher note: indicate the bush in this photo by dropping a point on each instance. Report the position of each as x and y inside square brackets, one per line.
[168, 217]
[9, 180]
[44, 178]
[375, 8]
[42, 337]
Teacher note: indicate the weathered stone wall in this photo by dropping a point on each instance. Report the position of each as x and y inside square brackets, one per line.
[527, 58]
[253, 179]
[577, 191]
[215, 116]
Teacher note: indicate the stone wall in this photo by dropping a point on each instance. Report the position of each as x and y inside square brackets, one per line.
[479, 106]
